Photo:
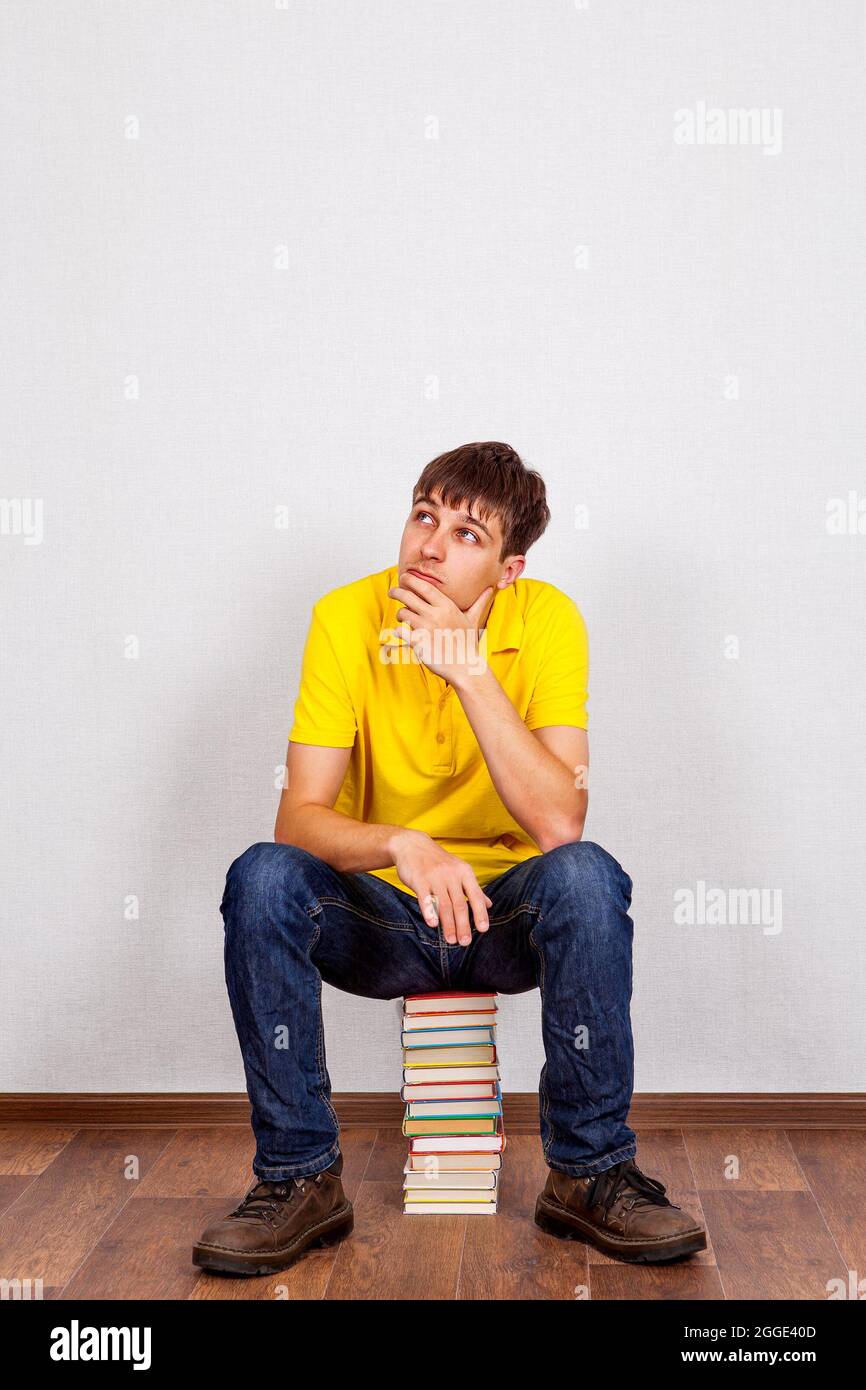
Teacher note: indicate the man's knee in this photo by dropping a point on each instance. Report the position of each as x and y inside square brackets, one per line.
[583, 862]
[262, 868]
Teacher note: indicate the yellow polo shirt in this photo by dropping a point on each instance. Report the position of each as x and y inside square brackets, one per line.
[415, 758]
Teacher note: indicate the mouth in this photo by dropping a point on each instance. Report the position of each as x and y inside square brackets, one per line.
[421, 575]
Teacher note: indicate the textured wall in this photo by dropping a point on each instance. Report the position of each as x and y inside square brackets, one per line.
[262, 262]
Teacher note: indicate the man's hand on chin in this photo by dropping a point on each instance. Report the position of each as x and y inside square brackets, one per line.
[448, 641]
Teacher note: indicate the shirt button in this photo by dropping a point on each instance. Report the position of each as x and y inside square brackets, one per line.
[440, 738]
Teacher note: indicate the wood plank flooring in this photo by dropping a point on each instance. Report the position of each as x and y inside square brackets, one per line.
[114, 1212]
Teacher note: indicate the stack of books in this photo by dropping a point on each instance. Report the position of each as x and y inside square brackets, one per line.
[453, 1118]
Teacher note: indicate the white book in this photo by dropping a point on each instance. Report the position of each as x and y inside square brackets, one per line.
[447, 1194]
[462, 1055]
[447, 1003]
[481, 1071]
[442, 1109]
[457, 1143]
[449, 1208]
[449, 1180]
[444, 1162]
[449, 1090]
[411, 1022]
[447, 1037]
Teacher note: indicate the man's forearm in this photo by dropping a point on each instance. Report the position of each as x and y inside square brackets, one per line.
[532, 783]
[352, 846]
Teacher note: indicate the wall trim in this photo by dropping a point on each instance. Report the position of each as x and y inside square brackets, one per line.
[649, 1110]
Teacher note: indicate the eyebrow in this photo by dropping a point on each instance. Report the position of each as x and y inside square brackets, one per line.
[461, 516]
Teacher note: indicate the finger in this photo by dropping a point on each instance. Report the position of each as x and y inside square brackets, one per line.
[474, 611]
[476, 902]
[395, 639]
[415, 584]
[405, 617]
[410, 599]
[461, 914]
[421, 643]
[446, 916]
[427, 902]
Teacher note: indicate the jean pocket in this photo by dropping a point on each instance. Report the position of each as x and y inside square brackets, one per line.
[364, 915]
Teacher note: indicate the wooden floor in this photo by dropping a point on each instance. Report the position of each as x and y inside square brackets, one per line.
[791, 1221]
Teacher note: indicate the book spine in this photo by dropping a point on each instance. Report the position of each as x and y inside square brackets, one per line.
[459, 1133]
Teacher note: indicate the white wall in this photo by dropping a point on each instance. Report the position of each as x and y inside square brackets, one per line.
[408, 257]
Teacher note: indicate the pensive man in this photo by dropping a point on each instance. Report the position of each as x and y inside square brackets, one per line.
[430, 836]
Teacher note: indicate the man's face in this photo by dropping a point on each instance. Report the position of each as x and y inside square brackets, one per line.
[456, 548]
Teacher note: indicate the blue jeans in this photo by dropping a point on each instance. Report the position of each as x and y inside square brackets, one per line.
[559, 921]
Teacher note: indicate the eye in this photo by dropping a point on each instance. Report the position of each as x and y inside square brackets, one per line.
[464, 531]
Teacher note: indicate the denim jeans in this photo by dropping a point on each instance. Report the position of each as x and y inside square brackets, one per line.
[559, 921]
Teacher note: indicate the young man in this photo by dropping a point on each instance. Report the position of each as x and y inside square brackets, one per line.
[429, 837]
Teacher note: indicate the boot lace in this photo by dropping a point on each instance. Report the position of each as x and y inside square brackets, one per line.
[606, 1187]
[264, 1199]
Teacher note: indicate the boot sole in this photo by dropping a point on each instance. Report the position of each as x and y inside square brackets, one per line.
[221, 1260]
[567, 1225]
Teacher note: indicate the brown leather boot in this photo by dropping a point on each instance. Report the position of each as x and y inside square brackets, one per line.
[622, 1212]
[276, 1223]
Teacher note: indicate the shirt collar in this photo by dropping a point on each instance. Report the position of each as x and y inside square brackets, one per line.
[504, 624]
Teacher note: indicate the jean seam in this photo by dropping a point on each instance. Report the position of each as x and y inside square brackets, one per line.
[368, 916]
[320, 1043]
[443, 957]
[545, 1098]
[515, 912]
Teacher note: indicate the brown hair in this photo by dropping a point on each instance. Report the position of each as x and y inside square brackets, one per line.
[493, 478]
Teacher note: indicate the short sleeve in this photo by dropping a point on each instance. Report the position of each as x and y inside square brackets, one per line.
[561, 688]
[324, 714]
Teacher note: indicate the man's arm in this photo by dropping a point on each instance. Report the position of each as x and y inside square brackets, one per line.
[533, 771]
[532, 764]
[445, 885]
[305, 815]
